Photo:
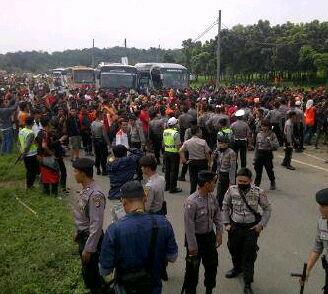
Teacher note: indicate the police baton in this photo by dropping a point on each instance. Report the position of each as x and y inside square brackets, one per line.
[302, 276]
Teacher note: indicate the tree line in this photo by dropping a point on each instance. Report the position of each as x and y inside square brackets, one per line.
[42, 62]
[260, 51]
[290, 51]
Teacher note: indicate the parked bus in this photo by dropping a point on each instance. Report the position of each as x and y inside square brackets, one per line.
[59, 77]
[116, 76]
[81, 77]
[163, 75]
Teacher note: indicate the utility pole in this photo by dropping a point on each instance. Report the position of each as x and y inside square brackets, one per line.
[93, 53]
[125, 43]
[218, 53]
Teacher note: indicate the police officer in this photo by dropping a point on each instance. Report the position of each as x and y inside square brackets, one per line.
[244, 224]
[89, 215]
[266, 142]
[289, 139]
[172, 144]
[100, 141]
[299, 127]
[201, 212]
[241, 133]
[137, 245]
[154, 188]
[154, 192]
[224, 165]
[29, 150]
[199, 156]
[275, 117]
[224, 128]
[156, 128]
[321, 239]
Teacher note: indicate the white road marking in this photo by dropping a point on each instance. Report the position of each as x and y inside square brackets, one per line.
[307, 164]
[313, 156]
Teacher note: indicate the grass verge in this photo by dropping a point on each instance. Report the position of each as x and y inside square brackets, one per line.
[37, 252]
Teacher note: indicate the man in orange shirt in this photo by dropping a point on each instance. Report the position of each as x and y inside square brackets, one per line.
[310, 113]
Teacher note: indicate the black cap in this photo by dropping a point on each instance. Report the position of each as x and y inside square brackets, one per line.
[83, 164]
[132, 189]
[29, 121]
[206, 176]
[120, 151]
[322, 197]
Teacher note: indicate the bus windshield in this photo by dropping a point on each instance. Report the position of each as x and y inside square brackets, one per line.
[175, 79]
[84, 76]
[117, 80]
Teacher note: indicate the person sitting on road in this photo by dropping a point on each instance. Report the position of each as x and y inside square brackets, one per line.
[121, 168]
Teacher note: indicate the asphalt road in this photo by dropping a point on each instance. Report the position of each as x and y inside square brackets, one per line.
[285, 242]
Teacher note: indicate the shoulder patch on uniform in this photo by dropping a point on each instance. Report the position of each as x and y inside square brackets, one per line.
[146, 189]
[97, 200]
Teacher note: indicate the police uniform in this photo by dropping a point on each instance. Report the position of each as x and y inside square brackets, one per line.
[29, 150]
[241, 133]
[289, 139]
[128, 246]
[156, 126]
[200, 214]
[321, 239]
[198, 151]
[242, 241]
[225, 165]
[265, 143]
[89, 215]
[171, 141]
[154, 190]
[100, 146]
[275, 118]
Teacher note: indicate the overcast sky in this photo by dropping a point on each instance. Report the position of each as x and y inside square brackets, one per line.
[68, 24]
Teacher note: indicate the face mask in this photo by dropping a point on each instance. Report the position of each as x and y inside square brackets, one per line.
[222, 149]
[244, 187]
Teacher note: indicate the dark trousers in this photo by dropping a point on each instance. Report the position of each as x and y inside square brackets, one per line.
[50, 189]
[90, 272]
[184, 167]
[196, 166]
[299, 135]
[263, 159]
[277, 130]
[223, 185]
[63, 172]
[241, 146]
[309, 132]
[157, 145]
[86, 141]
[207, 253]
[288, 156]
[32, 170]
[171, 169]
[322, 131]
[212, 139]
[101, 153]
[137, 145]
[242, 244]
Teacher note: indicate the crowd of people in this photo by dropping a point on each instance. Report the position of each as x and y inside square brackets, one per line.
[204, 131]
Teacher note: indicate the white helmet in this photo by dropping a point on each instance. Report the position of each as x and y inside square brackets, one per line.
[172, 121]
[240, 113]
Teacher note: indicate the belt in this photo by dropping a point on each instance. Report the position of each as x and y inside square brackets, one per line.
[243, 225]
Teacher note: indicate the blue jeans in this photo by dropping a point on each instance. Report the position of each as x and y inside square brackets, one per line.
[309, 132]
[7, 141]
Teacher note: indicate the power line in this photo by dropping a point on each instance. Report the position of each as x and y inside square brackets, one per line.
[205, 31]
